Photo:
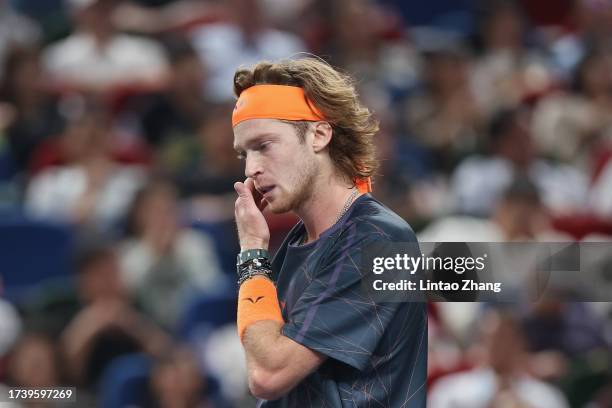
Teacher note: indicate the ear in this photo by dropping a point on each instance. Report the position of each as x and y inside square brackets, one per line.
[322, 136]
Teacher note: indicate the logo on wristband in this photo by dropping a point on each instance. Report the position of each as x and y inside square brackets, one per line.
[254, 301]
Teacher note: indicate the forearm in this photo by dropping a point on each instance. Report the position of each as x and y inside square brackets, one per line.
[75, 361]
[153, 341]
[151, 338]
[261, 342]
[268, 352]
[260, 321]
[76, 343]
[275, 363]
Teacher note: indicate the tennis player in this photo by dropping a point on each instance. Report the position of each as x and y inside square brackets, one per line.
[312, 337]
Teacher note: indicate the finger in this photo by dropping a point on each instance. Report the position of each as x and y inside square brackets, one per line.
[250, 184]
[263, 203]
[245, 203]
[242, 190]
[257, 196]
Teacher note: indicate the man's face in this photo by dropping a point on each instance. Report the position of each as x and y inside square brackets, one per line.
[101, 279]
[281, 164]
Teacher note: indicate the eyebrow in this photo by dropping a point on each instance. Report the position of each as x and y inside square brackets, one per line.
[256, 140]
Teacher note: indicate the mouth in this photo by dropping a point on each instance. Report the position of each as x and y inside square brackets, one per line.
[265, 190]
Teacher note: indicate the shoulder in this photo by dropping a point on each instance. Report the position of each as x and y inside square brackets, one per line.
[369, 217]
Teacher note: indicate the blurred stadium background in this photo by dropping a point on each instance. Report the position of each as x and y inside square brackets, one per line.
[117, 241]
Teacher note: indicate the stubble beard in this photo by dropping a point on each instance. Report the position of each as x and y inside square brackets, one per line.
[303, 187]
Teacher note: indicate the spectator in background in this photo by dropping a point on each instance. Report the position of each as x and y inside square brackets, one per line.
[16, 30]
[479, 181]
[246, 39]
[570, 344]
[366, 39]
[171, 119]
[570, 328]
[507, 71]
[36, 117]
[571, 126]
[355, 34]
[162, 261]
[519, 215]
[160, 17]
[502, 379]
[89, 189]
[178, 382]
[216, 168]
[207, 172]
[174, 115]
[590, 27]
[107, 326]
[445, 117]
[97, 57]
[34, 363]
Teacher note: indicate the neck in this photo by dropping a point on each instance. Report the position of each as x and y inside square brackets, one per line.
[321, 211]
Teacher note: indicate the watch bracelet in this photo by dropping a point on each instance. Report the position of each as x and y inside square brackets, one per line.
[249, 254]
[252, 272]
[261, 262]
[252, 267]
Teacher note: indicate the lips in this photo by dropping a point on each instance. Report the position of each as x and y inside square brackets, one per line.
[266, 189]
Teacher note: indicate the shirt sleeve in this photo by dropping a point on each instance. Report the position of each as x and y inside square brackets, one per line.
[334, 316]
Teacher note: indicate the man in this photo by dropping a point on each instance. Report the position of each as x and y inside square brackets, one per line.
[97, 57]
[502, 380]
[307, 143]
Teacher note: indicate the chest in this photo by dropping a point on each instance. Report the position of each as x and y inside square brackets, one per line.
[296, 271]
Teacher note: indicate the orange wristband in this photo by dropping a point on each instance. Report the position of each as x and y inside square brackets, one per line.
[257, 300]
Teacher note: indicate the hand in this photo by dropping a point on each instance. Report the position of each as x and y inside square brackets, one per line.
[253, 230]
[95, 318]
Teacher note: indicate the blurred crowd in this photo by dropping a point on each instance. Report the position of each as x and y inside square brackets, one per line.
[117, 171]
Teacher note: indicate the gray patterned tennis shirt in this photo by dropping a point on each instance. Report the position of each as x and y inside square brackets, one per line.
[377, 352]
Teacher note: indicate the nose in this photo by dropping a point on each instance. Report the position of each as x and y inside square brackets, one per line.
[253, 166]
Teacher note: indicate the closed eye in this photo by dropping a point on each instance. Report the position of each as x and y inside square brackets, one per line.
[263, 147]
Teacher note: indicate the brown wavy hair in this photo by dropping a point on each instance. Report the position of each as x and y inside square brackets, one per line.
[333, 93]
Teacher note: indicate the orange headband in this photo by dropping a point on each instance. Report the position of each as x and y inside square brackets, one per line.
[274, 102]
[281, 102]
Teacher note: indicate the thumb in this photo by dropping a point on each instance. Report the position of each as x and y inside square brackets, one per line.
[242, 190]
